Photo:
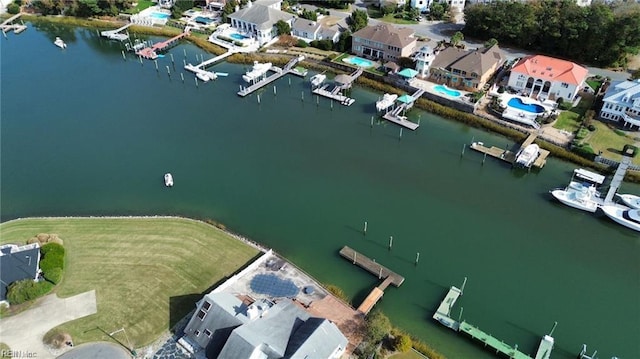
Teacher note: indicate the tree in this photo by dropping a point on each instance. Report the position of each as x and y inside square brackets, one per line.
[229, 8]
[13, 8]
[309, 15]
[388, 8]
[378, 327]
[344, 42]
[456, 38]
[491, 42]
[358, 20]
[283, 28]
[406, 62]
[635, 75]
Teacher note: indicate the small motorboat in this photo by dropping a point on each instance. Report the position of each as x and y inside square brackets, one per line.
[60, 43]
[527, 155]
[317, 79]
[629, 218]
[168, 180]
[630, 200]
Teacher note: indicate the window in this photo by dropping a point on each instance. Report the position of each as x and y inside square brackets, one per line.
[208, 333]
[197, 333]
[519, 84]
[202, 314]
[206, 306]
[565, 85]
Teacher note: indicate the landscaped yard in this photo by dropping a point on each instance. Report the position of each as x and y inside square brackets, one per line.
[568, 120]
[148, 273]
[609, 141]
[408, 355]
[142, 4]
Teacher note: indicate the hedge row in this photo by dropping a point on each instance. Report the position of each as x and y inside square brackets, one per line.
[26, 290]
[52, 262]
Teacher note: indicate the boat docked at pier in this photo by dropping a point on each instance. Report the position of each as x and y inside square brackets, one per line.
[630, 200]
[60, 43]
[627, 217]
[317, 79]
[582, 192]
[168, 180]
[526, 156]
[257, 71]
[386, 101]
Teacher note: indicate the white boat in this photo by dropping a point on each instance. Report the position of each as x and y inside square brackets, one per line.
[168, 180]
[318, 79]
[527, 155]
[582, 192]
[256, 71]
[386, 101]
[60, 43]
[630, 200]
[206, 75]
[629, 218]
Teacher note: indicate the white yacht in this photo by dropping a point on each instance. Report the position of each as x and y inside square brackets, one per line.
[206, 75]
[386, 101]
[318, 79]
[582, 192]
[60, 43]
[168, 180]
[527, 155]
[629, 218]
[258, 70]
[630, 200]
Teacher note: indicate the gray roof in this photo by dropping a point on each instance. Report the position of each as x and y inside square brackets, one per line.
[316, 338]
[327, 32]
[387, 34]
[17, 263]
[305, 25]
[262, 16]
[475, 61]
[621, 89]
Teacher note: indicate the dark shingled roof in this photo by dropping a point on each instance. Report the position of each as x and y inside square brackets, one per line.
[17, 263]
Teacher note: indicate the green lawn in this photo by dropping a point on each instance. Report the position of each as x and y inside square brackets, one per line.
[605, 139]
[142, 4]
[594, 84]
[390, 18]
[568, 120]
[411, 354]
[148, 273]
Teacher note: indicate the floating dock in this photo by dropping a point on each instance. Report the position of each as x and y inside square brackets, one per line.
[341, 82]
[443, 315]
[510, 156]
[374, 268]
[289, 68]
[397, 114]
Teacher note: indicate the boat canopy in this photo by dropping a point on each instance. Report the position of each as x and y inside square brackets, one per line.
[589, 176]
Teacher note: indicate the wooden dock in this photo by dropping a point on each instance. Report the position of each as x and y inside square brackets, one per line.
[371, 266]
[510, 156]
[374, 296]
[397, 114]
[336, 92]
[151, 51]
[289, 68]
[8, 25]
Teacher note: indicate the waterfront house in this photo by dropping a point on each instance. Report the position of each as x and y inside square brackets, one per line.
[543, 77]
[258, 20]
[621, 103]
[225, 326]
[383, 42]
[309, 30]
[425, 5]
[423, 58]
[466, 69]
[18, 263]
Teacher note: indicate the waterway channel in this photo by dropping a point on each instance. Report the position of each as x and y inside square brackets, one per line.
[84, 132]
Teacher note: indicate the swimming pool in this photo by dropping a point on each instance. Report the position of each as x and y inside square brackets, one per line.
[203, 20]
[160, 15]
[358, 61]
[528, 107]
[446, 91]
[236, 36]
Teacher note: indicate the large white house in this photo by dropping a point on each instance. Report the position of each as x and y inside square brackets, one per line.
[622, 103]
[309, 30]
[424, 5]
[544, 77]
[258, 20]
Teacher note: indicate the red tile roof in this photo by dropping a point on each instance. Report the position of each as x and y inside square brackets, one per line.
[552, 69]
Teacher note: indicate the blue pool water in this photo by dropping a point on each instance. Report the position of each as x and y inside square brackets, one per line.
[446, 91]
[203, 20]
[531, 107]
[160, 15]
[237, 36]
[358, 61]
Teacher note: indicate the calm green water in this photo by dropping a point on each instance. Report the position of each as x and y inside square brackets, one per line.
[84, 132]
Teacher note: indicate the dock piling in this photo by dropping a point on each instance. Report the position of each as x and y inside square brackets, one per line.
[371, 122]
[184, 62]
[400, 133]
[365, 228]
[484, 158]
[258, 98]
[185, 52]
[124, 57]
[171, 58]
[390, 242]
[332, 105]
[195, 78]
[289, 81]
[140, 58]
[417, 257]
[317, 101]
[274, 90]
[464, 282]
[156, 62]
[460, 315]
[182, 76]
[168, 72]
[463, 146]
[302, 95]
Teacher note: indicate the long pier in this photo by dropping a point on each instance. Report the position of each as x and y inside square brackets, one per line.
[510, 156]
[374, 268]
[115, 34]
[397, 114]
[200, 71]
[289, 68]
[443, 315]
[150, 52]
[8, 25]
[335, 93]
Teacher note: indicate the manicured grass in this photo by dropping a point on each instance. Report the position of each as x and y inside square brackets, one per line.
[408, 355]
[605, 139]
[594, 84]
[142, 4]
[568, 120]
[401, 21]
[148, 273]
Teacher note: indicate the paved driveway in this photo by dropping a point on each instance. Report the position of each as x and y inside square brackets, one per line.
[24, 332]
[101, 350]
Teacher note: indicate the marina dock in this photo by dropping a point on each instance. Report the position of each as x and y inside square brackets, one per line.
[443, 315]
[342, 82]
[510, 156]
[374, 268]
[116, 34]
[289, 68]
[200, 71]
[397, 114]
[8, 25]
[151, 51]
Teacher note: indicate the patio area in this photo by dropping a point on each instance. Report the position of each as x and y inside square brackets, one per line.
[233, 39]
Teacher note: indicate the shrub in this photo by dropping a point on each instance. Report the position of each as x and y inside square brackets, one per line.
[585, 151]
[44, 238]
[13, 8]
[302, 43]
[501, 89]
[53, 275]
[378, 327]
[26, 290]
[565, 105]
[591, 128]
[51, 261]
[337, 292]
[402, 342]
[53, 248]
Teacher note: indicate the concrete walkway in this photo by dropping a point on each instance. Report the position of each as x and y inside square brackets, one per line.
[24, 332]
